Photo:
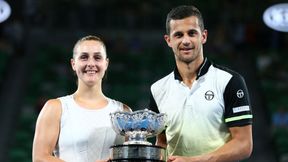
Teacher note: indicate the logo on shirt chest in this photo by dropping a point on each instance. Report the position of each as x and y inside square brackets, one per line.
[209, 95]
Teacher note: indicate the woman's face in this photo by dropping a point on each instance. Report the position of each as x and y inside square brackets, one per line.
[90, 62]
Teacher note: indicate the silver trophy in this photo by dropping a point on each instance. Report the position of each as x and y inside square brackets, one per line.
[138, 126]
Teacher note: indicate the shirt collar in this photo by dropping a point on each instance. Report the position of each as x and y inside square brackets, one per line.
[203, 69]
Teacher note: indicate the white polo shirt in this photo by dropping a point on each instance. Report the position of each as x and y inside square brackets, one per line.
[198, 117]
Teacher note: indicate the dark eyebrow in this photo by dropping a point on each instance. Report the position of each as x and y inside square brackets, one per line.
[84, 53]
[193, 31]
[177, 33]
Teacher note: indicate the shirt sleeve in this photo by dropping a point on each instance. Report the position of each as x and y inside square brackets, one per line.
[238, 111]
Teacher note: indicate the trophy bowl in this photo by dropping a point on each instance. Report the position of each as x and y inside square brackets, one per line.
[138, 125]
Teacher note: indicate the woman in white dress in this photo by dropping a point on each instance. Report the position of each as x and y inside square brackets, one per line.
[77, 127]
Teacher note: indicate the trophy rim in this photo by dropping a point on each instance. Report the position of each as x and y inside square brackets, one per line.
[136, 145]
[129, 124]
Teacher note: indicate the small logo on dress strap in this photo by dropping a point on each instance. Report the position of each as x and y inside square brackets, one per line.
[209, 95]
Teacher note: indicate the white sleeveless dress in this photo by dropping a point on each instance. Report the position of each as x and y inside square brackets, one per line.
[86, 135]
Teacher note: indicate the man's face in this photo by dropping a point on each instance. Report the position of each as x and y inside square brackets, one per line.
[186, 39]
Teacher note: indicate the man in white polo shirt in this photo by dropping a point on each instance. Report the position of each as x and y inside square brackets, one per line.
[208, 107]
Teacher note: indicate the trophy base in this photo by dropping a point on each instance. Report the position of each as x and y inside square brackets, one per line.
[137, 152]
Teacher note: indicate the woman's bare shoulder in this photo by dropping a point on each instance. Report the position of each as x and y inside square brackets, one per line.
[52, 108]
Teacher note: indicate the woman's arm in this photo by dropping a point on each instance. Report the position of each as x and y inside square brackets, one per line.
[161, 140]
[126, 108]
[47, 132]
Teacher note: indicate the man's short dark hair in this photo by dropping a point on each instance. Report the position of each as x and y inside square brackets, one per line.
[182, 12]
